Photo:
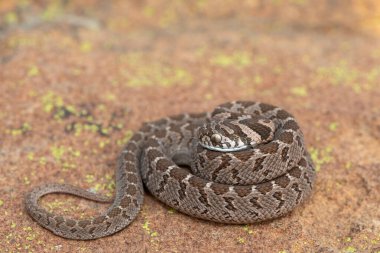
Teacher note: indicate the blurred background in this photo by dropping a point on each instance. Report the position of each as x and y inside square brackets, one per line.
[321, 16]
[77, 78]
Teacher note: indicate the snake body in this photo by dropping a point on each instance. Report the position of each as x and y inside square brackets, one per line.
[245, 162]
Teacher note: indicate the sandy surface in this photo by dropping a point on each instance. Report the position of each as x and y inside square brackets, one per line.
[77, 78]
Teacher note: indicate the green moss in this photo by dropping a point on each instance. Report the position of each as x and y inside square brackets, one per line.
[42, 161]
[148, 11]
[106, 183]
[104, 131]
[141, 72]
[33, 71]
[111, 97]
[373, 75]
[300, 91]
[350, 249]
[23, 3]
[55, 205]
[54, 104]
[30, 156]
[278, 70]
[261, 60]
[11, 18]
[22, 41]
[58, 152]
[333, 126]
[90, 178]
[299, 2]
[1, 202]
[102, 144]
[340, 73]
[344, 74]
[86, 47]
[321, 157]
[23, 129]
[127, 135]
[27, 228]
[241, 240]
[201, 4]
[53, 10]
[237, 59]
[258, 79]
[26, 180]
[247, 229]
[168, 17]
[67, 165]
[146, 227]
[159, 75]
[64, 112]
[65, 156]
[31, 237]
[51, 100]
[208, 96]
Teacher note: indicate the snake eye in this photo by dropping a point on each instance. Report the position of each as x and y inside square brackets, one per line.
[217, 138]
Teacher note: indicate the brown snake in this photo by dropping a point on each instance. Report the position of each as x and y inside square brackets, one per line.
[245, 162]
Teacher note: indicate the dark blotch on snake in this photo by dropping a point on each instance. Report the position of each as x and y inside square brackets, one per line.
[84, 223]
[278, 196]
[178, 117]
[266, 107]
[125, 202]
[129, 156]
[230, 205]
[295, 172]
[284, 154]
[153, 154]
[99, 219]
[197, 182]
[70, 223]
[282, 114]
[264, 188]
[259, 164]
[129, 167]
[114, 212]
[242, 191]
[286, 137]
[269, 148]
[261, 129]
[244, 155]
[225, 160]
[255, 202]
[132, 178]
[291, 124]
[163, 164]
[302, 162]
[131, 190]
[282, 181]
[178, 173]
[219, 189]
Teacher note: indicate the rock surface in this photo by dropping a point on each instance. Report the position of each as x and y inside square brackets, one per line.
[78, 77]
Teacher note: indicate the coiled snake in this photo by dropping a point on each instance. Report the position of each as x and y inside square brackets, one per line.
[245, 162]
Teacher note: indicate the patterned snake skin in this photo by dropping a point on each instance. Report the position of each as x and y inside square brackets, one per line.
[245, 162]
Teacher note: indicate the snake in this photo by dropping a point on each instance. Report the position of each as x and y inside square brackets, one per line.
[244, 162]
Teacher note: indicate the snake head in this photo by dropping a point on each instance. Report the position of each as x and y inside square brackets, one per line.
[229, 135]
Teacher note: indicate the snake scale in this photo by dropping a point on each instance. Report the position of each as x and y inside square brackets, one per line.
[245, 162]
